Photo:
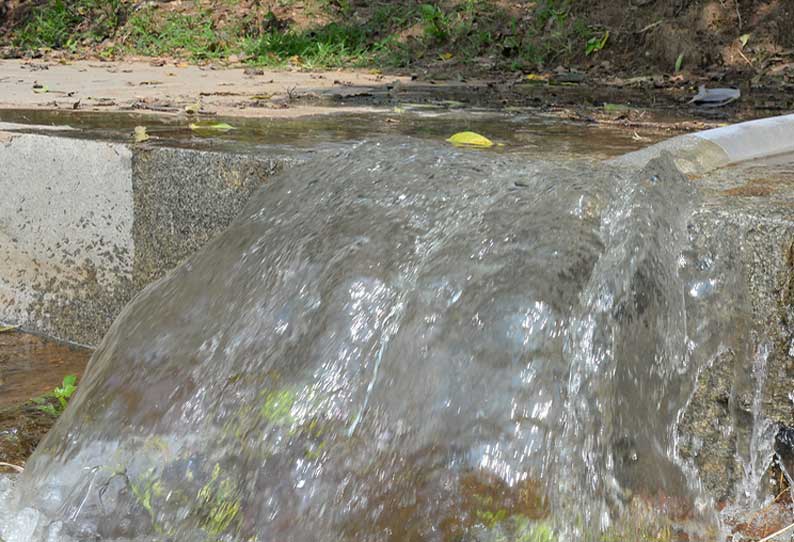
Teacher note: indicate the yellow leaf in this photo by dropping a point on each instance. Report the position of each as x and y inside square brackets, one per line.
[140, 135]
[536, 77]
[208, 127]
[40, 89]
[4, 329]
[445, 56]
[743, 39]
[470, 139]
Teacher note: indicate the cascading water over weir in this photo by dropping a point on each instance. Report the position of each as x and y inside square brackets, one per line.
[403, 342]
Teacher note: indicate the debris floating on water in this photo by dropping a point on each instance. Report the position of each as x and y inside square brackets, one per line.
[470, 139]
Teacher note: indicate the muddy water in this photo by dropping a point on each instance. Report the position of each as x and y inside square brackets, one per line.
[30, 366]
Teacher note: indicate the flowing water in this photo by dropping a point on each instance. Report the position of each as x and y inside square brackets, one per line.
[403, 342]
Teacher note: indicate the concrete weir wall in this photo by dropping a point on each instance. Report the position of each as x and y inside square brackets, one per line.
[84, 225]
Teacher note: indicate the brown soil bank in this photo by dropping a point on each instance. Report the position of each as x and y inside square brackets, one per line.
[726, 40]
[741, 35]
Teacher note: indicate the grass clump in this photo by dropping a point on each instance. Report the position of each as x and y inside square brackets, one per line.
[69, 24]
[183, 35]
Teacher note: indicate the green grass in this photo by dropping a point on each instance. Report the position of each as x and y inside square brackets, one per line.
[63, 24]
[333, 45]
[381, 34]
[176, 34]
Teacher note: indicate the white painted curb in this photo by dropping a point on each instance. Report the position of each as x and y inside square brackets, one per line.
[755, 139]
[708, 150]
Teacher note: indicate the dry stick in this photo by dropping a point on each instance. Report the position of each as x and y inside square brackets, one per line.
[652, 25]
[10, 466]
[784, 530]
[750, 62]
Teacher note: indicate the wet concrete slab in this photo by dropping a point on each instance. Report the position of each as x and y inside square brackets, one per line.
[86, 224]
[89, 219]
[176, 198]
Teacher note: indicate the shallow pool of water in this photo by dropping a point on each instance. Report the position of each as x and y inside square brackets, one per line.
[31, 365]
[525, 133]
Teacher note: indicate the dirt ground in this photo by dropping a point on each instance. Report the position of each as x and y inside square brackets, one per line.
[172, 88]
[240, 58]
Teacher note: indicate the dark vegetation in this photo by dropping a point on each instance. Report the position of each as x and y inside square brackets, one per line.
[319, 33]
[453, 37]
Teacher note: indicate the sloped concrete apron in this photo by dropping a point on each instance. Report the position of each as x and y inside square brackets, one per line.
[84, 225]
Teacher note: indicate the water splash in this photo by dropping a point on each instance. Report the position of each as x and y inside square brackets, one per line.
[401, 342]
[757, 451]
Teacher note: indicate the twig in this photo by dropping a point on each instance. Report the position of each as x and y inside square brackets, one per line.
[747, 59]
[784, 530]
[14, 467]
[652, 25]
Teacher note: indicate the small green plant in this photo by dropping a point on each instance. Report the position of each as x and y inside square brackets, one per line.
[436, 22]
[679, 63]
[61, 394]
[596, 43]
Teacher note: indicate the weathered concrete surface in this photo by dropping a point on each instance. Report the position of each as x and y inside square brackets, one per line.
[748, 219]
[183, 198]
[84, 225]
[66, 223]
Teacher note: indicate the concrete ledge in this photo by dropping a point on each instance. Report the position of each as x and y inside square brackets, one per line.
[65, 232]
[706, 151]
[84, 225]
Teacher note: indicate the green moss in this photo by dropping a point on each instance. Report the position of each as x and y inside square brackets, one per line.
[144, 488]
[219, 505]
[277, 407]
[528, 531]
[491, 519]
